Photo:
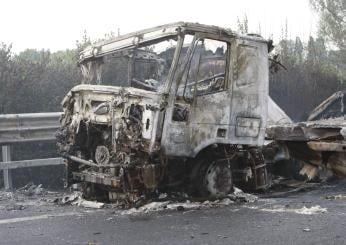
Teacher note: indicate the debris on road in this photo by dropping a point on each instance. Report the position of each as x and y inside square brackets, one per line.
[336, 197]
[6, 195]
[304, 210]
[312, 210]
[28, 195]
[36, 195]
[282, 187]
[15, 206]
[68, 198]
[31, 190]
[238, 196]
[179, 206]
[76, 199]
[88, 204]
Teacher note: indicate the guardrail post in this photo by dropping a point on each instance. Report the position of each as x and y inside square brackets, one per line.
[6, 157]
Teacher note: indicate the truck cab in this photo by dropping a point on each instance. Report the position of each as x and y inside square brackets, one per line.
[182, 103]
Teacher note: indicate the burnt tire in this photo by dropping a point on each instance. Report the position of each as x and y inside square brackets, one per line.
[212, 178]
[94, 192]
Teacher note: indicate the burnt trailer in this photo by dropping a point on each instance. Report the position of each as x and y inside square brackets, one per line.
[180, 105]
[320, 142]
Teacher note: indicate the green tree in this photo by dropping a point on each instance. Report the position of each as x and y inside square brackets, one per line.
[6, 74]
[332, 24]
[298, 52]
[310, 60]
[243, 25]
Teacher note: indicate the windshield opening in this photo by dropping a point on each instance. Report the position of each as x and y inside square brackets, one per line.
[206, 70]
[145, 67]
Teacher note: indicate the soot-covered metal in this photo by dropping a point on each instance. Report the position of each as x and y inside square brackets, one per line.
[182, 106]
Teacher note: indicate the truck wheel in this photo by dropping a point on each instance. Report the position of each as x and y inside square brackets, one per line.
[213, 178]
[91, 191]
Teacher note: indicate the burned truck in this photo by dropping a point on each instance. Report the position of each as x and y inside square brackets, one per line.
[318, 143]
[182, 105]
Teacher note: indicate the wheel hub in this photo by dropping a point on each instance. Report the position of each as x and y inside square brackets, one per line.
[218, 179]
[102, 155]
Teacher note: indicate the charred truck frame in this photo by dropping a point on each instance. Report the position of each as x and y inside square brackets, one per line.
[185, 105]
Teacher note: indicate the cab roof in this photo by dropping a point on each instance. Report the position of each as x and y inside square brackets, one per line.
[130, 40]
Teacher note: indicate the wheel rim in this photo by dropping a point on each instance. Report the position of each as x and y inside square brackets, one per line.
[218, 179]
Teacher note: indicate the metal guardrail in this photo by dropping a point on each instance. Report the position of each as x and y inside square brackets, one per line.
[31, 163]
[27, 127]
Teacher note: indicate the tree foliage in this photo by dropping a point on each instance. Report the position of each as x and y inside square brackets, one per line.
[37, 80]
[332, 23]
[311, 76]
[6, 74]
[243, 25]
[332, 27]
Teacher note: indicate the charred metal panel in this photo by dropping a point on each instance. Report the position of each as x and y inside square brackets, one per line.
[248, 127]
[332, 107]
[244, 97]
[177, 141]
[208, 114]
[317, 143]
[276, 116]
[339, 146]
[249, 91]
[305, 131]
[136, 137]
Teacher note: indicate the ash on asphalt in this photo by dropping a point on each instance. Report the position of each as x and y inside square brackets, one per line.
[31, 196]
[313, 216]
[32, 199]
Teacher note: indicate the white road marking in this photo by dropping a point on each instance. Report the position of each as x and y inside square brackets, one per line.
[38, 217]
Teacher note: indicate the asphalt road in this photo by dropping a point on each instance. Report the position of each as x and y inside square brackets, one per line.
[301, 218]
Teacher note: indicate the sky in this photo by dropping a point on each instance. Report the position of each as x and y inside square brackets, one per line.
[57, 25]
